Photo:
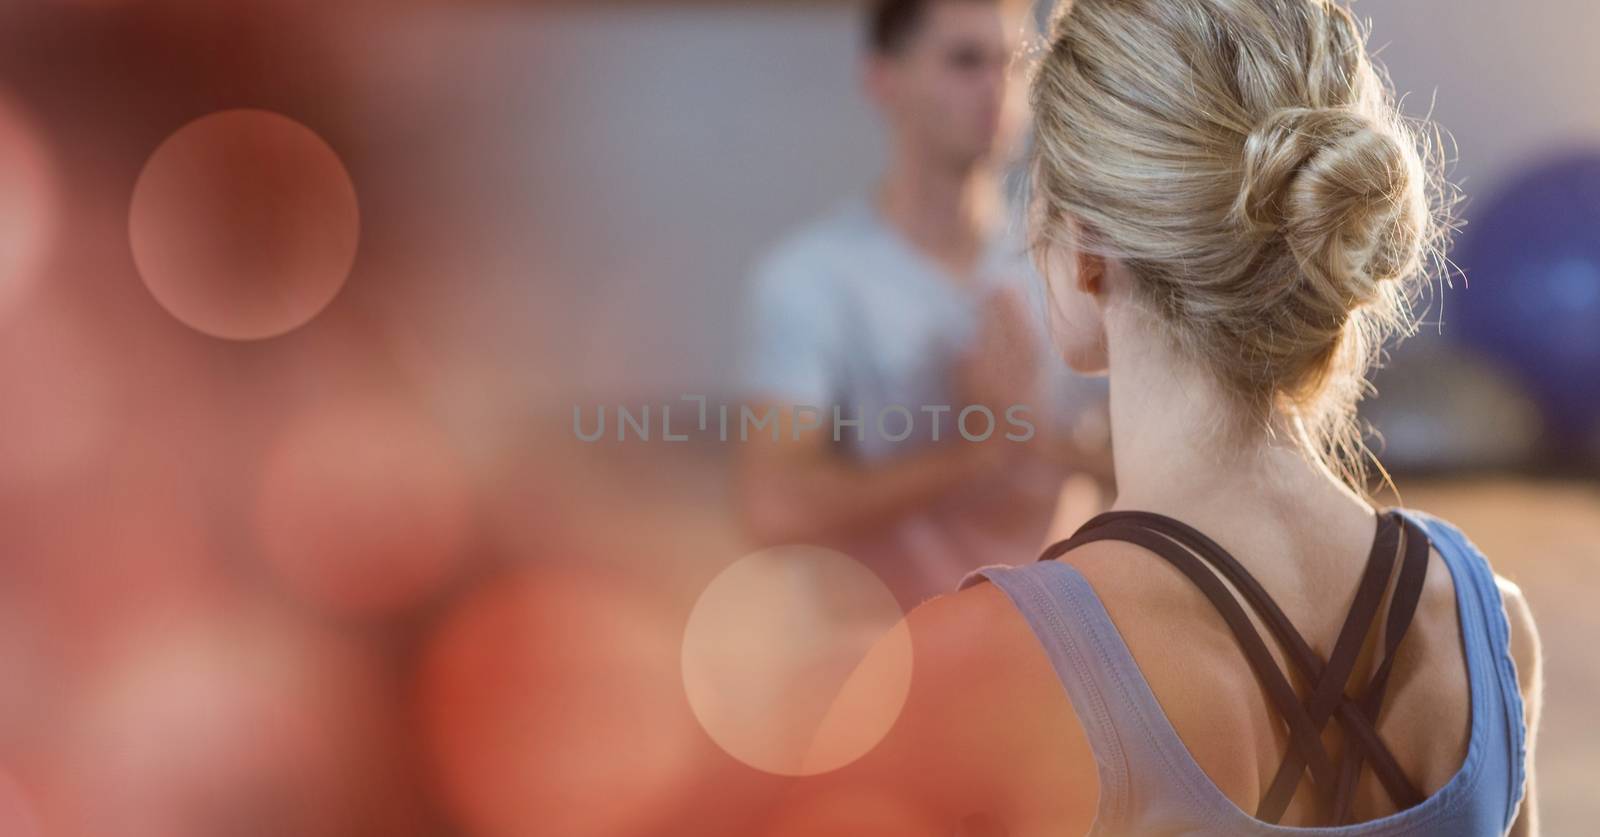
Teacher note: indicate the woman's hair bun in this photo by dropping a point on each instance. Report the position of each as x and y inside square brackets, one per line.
[1346, 191]
[1245, 161]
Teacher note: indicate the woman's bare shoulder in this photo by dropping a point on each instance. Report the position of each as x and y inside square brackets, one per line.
[1525, 643]
[986, 727]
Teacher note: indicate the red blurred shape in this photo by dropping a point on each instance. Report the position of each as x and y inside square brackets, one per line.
[28, 202]
[17, 818]
[225, 720]
[551, 704]
[364, 508]
[852, 812]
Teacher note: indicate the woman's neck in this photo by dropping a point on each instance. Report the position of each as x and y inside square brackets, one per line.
[1180, 444]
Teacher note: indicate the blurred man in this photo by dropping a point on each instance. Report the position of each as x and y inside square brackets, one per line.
[905, 305]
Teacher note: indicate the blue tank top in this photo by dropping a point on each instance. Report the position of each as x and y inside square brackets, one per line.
[1149, 782]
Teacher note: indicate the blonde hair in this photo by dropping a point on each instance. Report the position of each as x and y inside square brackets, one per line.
[1244, 160]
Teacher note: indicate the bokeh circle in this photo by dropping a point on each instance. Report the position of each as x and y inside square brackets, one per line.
[770, 647]
[244, 224]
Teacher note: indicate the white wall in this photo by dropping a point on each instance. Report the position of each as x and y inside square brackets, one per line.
[642, 157]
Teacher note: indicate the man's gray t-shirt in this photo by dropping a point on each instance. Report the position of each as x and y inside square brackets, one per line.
[848, 314]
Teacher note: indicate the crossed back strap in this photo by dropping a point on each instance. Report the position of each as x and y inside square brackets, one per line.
[1202, 560]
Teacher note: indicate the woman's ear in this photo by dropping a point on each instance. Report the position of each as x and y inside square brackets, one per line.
[1091, 273]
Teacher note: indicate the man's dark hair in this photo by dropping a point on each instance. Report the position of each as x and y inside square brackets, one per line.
[891, 23]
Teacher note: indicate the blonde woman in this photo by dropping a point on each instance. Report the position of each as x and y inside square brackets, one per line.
[1231, 217]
